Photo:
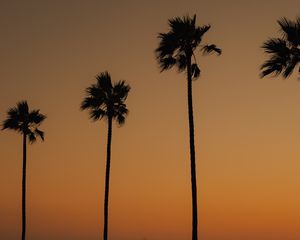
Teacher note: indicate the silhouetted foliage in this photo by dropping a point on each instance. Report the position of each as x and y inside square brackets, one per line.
[26, 122]
[284, 52]
[180, 43]
[177, 48]
[106, 100]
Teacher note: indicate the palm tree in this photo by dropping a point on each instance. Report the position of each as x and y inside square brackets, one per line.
[177, 48]
[284, 52]
[105, 100]
[25, 122]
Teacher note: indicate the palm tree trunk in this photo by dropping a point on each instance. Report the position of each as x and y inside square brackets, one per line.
[109, 135]
[192, 153]
[24, 189]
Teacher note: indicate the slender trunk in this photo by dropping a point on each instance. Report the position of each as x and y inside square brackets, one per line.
[24, 189]
[109, 135]
[192, 153]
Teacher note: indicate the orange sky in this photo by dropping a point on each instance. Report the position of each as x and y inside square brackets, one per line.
[247, 129]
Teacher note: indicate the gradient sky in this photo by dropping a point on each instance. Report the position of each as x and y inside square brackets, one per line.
[247, 128]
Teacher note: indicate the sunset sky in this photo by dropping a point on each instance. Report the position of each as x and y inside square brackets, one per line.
[247, 129]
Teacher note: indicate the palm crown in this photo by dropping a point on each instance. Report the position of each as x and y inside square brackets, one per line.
[106, 100]
[179, 44]
[26, 122]
[284, 52]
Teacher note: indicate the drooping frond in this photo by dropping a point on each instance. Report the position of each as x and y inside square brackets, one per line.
[195, 71]
[32, 137]
[181, 62]
[293, 61]
[212, 48]
[167, 63]
[104, 99]
[24, 121]
[120, 114]
[271, 66]
[97, 113]
[39, 133]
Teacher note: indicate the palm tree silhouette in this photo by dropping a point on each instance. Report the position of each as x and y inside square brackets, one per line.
[284, 52]
[25, 122]
[177, 48]
[106, 100]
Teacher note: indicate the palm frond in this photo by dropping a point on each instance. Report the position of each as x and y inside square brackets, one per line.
[195, 71]
[36, 117]
[290, 66]
[181, 62]
[96, 114]
[167, 63]
[167, 45]
[22, 107]
[211, 48]
[39, 133]
[104, 82]
[31, 137]
[276, 46]
[271, 67]
[89, 102]
[120, 119]
[290, 30]
[12, 120]
[121, 90]
[202, 30]
[121, 113]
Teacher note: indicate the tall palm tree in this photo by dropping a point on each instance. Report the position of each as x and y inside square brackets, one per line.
[177, 48]
[283, 52]
[25, 122]
[105, 100]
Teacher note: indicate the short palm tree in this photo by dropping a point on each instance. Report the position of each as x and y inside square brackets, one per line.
[177, 48]
[26, 122]
[105, 100]
[283, 52]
